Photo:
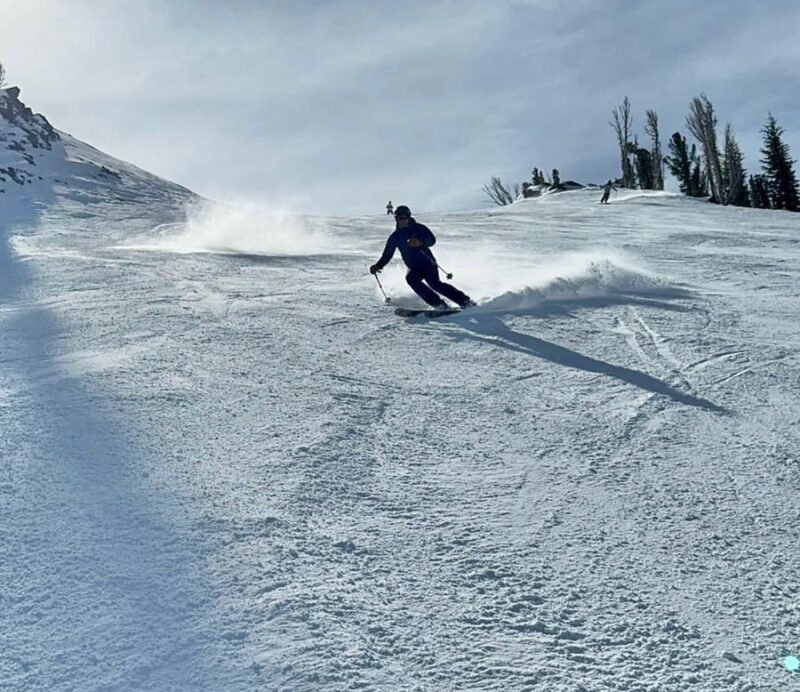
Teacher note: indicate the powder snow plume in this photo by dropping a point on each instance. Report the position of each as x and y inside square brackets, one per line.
[243, 229]
[576, 277]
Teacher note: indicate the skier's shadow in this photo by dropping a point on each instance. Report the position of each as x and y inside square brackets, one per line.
[490, 329]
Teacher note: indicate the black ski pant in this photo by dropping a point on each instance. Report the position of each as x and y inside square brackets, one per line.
[418, 277]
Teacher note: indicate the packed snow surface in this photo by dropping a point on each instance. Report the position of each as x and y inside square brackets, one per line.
[227, 465]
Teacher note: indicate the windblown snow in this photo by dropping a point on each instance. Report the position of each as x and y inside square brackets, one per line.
[227, 465]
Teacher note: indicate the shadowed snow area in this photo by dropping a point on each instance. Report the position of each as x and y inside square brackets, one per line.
[228, 465]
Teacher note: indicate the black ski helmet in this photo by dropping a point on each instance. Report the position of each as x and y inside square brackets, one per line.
[402, 212]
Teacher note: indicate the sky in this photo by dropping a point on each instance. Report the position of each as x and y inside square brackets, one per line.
[337, 107]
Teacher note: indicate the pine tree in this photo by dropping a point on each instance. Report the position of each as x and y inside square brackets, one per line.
[556, 178]
[684, 164]
[679, 163]
[657, 159]
[643, 162]
[759, 192]
[779, 168]
[699, 179]
[733, 174]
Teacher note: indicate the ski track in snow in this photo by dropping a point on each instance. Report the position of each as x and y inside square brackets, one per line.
[241, 472]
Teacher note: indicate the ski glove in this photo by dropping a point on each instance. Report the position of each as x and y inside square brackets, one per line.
[374, 269]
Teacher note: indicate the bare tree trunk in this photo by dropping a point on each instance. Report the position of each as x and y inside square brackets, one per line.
[702, 123]
[651, 128]
[499, 193]
[623, 124]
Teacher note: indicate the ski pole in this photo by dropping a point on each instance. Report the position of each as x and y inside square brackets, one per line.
[447, 273]
[387, 298]
[438, 266]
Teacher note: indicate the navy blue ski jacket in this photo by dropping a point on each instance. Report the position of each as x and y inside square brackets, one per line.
[416, 258]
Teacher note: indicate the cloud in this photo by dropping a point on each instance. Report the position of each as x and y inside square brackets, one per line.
[341, 106]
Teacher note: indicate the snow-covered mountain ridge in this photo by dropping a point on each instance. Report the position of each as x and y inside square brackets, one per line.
[38, 161]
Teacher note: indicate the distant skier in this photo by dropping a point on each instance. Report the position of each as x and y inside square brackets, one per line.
[607, 192]
[414, 241]
[389, 208]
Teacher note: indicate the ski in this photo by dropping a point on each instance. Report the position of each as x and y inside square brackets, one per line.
[406, 312]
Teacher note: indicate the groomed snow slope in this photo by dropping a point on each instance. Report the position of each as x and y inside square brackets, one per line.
[227, 465]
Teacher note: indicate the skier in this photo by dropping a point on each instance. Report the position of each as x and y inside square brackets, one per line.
[414, 241]
[389, 208]
[607, 192]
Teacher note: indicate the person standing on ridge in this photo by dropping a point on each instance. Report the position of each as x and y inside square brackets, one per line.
[389, 208]
[607, 192]
[414, 241]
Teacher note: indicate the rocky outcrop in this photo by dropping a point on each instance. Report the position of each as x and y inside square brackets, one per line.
[25, 136]
[529, 190]
[34, 127]
[39, 161]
